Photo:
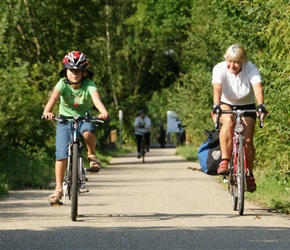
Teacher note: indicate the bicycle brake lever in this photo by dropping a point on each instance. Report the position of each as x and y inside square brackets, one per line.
[261, 120]
[217, 120]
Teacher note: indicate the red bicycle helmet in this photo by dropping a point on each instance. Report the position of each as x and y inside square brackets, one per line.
[75, 60]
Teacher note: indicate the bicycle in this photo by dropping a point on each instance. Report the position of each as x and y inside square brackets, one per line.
[237, 164]
[75, 178]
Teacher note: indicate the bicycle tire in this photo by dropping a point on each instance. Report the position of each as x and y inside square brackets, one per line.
[241, 176]
[74, 184]
[143, 153]
[233, 184]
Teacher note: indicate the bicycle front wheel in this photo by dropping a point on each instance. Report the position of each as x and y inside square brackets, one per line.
[233, 189]
[241, 176]
[143, 155]
[74, 184]
[143, 152]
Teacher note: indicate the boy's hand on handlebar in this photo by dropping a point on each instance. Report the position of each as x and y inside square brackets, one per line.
[48, 115]
[103, 116]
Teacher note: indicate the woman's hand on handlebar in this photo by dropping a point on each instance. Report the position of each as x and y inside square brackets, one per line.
[216, 112]
[262, 112]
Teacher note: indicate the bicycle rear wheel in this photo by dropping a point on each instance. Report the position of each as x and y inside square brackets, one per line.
[241, 176]
[74, 184]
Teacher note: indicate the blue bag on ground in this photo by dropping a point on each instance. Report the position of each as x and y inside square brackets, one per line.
[209, 153]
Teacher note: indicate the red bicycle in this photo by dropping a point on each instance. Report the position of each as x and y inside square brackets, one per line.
[237, 164]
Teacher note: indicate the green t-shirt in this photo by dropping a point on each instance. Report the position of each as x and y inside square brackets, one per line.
[75, 101]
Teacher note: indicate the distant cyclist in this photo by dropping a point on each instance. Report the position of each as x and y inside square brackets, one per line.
[142, 124]
[236, 84]
[162, 137]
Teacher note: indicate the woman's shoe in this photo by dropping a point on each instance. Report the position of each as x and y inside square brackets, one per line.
[251, 184]
[223, 168]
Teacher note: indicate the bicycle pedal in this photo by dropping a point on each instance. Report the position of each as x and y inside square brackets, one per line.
[94, 172]
[56, 204]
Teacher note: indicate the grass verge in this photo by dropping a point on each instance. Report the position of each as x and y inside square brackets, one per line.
[105, 155]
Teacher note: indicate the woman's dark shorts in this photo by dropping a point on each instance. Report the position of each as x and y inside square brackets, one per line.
[248, 106]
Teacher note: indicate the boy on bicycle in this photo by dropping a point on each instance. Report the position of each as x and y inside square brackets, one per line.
[76, 93]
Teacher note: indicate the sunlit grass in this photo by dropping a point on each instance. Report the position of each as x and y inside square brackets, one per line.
[188, 152]
[106, 155]
[271, 194]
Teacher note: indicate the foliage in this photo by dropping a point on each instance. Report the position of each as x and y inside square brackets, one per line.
[22, 133]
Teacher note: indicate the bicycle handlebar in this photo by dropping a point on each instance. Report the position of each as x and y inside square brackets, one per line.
[140, 133]
[86, 118]
[238, 112]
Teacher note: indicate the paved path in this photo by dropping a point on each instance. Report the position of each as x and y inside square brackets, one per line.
[160, 204]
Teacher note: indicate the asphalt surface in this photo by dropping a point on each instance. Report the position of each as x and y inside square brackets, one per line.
[159, 204]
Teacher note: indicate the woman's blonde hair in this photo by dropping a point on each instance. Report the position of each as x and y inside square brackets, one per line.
[237, 53]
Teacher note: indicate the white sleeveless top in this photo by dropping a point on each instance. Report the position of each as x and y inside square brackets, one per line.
[237, 89]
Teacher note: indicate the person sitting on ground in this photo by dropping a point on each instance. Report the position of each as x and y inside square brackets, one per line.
[77, 93]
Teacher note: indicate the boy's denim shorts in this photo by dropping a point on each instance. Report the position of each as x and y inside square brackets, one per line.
[64, 136]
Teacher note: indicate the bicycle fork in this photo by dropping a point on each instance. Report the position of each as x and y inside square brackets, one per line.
[82, 177]
[82, 172]
[66, 185]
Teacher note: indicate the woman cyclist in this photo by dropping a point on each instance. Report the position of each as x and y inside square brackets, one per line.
[236, 84]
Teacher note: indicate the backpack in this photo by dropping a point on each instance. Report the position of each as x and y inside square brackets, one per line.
[209, 153]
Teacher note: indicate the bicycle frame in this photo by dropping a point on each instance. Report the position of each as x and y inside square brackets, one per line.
[236, 141]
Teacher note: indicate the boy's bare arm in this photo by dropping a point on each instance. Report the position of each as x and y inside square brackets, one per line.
[99, 105]
[50, 104]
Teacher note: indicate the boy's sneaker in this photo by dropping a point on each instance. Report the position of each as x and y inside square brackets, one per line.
[223, 168]
[251, 185]
[139, 155]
